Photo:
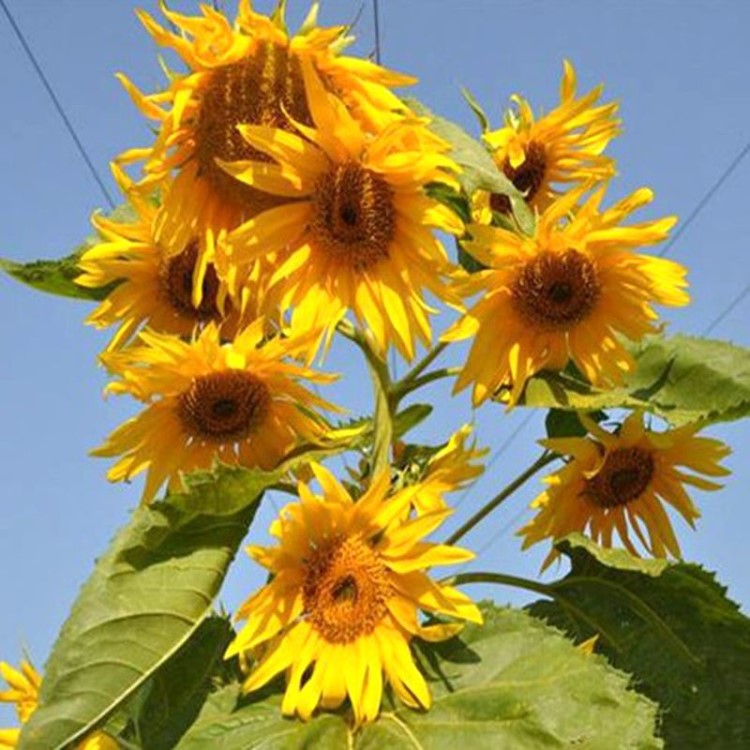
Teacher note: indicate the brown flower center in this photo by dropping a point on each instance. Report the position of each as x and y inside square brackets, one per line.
[177, 285]
[554, 291]
[354, 220]
[345, 590]
[257, 91]
[527, 177]
[224, 406]
[624, 477]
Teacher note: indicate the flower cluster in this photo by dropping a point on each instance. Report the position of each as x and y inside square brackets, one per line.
[290, 194]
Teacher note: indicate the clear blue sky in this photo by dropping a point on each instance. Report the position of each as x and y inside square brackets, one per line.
[680, 70]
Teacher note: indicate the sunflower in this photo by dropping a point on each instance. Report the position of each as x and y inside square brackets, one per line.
[564, 146]
[246, 72]
[151, 285]
[619, 481]
[24, 686]
[342, 606]
[452, 468]
[237, 403]
[564, 293]
[357, 235]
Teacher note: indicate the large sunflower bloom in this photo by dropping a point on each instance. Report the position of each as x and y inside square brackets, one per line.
[348, 582]
[565, 293]
[237, 403]
[153, 286]
[357, 235]
[618, 482]
[23, 690]
[246, 72]
[562, 147]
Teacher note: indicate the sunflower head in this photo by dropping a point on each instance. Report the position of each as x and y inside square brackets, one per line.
[246, 72]
[570, 292]
[453, 467]
[348, 582]
[169, 290]
[239, 403]
[620, 482]
[357, 234]
[562, 147]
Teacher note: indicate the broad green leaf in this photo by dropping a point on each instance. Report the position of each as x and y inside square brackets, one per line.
[681, 378]
[478, 170]
[562, 423]
[614, 557]
[58, 276]
[147, 596]
[686, 644]
[512, 683]
[170, 702]
[407, 419]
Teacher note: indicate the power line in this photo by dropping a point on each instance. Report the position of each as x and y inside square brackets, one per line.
[706, 198]
[376, 17]
[56, 102]
[728, 309]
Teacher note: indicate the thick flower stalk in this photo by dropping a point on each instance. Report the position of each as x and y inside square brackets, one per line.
[619, 482]
[357, 235]
[561, 148]
[570, 292]
[348, 582]
[239, 403]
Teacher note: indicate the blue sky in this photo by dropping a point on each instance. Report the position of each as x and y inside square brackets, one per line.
[679, 70]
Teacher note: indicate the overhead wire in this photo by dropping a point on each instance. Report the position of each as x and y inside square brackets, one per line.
[56, 102]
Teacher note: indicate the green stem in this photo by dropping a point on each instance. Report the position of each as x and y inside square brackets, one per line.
[447, 372]
[546, 458]
[385, 403]
[423, 364]
[544, 589]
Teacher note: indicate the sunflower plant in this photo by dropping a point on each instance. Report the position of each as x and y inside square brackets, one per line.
[293, 200]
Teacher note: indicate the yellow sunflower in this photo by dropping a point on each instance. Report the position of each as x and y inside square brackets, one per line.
[152, 286]
[357, 234]
[246, 72]
[238, 403]
[24, 686]
[618, 482]
[452, 468]
[348, 582]
[566, 293]
[563, 146]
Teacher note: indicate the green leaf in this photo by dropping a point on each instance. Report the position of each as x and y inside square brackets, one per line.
[476, 108]
[512, 683]
[58, 276]
[681, 378]
[562, 423]
[170, 702]
[146, 598]
[614, 557]
[686, 644]
[407, 419]
[478, 170]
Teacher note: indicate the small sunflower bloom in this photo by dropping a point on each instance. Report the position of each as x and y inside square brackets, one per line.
[24, 684]
[358, 233]
[170, 292]
[452, 468]
[348, 581]
[619, 482]
[567, 293]
[244, 72]
[564, 146]
[239, 403]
